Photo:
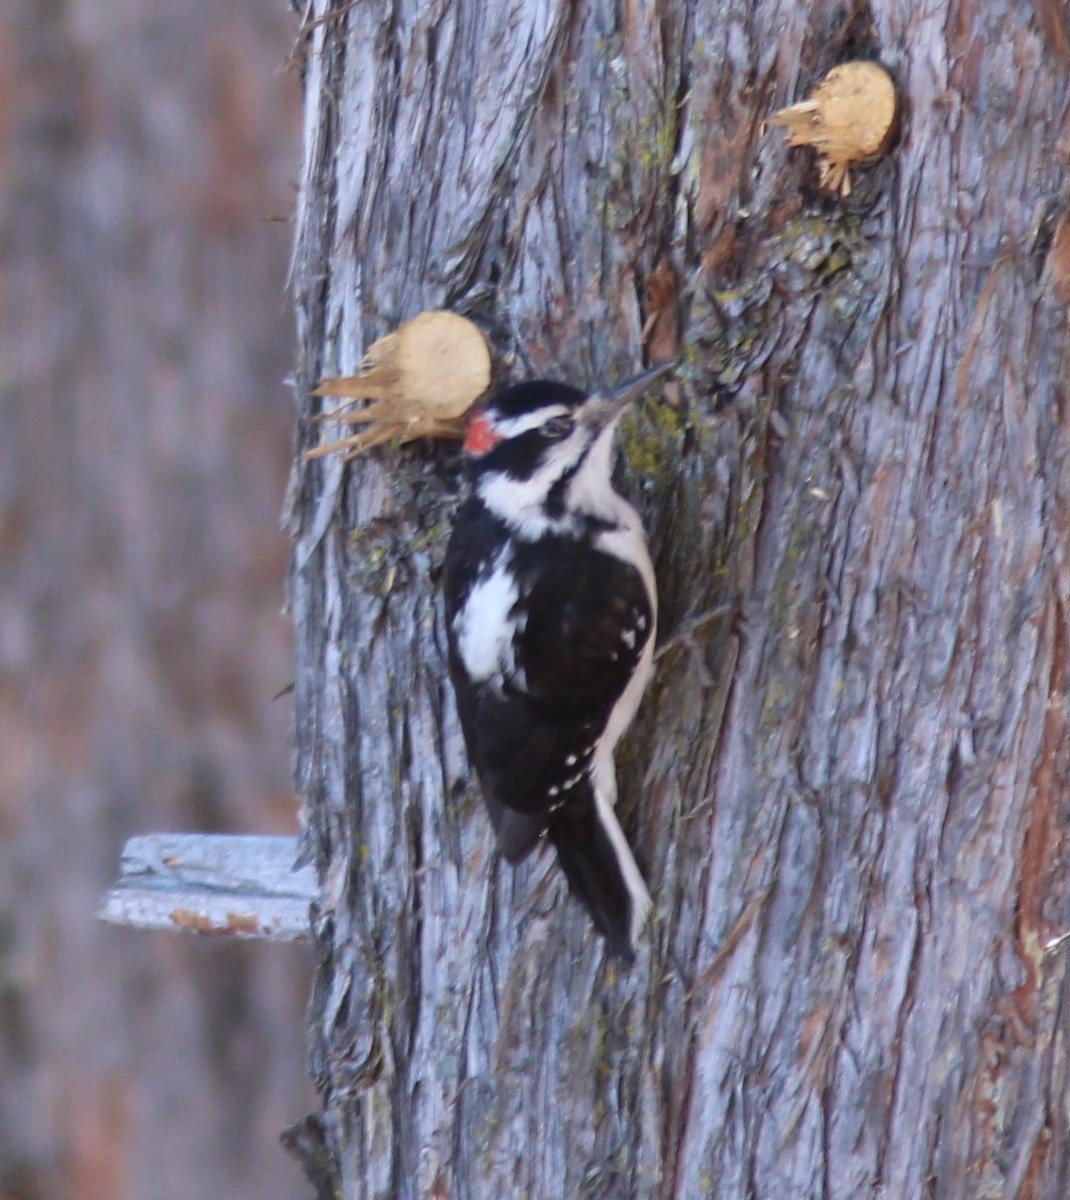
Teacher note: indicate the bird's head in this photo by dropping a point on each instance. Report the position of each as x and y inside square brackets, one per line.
[547, 446]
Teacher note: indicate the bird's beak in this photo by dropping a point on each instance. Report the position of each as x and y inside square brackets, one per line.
[602, 408]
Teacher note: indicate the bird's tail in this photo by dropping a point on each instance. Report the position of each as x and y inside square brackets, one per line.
[601, 870]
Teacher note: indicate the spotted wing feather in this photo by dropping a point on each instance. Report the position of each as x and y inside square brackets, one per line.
[582, 619]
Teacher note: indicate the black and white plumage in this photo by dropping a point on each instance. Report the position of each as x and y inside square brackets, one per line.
[551, 614]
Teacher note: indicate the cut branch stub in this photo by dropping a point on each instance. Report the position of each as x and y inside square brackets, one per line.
[850, 118]
[421, 380]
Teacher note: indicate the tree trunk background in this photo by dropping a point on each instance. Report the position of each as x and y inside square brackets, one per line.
[147, 155]
[849, 789]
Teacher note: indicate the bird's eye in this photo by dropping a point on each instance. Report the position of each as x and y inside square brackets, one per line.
[558, 427]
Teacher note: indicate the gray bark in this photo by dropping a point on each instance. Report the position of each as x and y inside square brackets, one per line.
[848, 789]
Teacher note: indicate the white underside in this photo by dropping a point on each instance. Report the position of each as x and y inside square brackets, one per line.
[633, 881]
[625, 541]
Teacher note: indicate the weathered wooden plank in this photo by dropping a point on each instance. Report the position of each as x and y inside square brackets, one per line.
[226, 885]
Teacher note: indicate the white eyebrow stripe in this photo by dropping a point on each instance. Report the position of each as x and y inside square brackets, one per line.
[510, 427]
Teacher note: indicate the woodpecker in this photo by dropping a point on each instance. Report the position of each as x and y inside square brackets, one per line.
[551, 613]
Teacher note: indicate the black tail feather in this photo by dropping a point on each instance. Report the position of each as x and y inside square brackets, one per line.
[592, 853]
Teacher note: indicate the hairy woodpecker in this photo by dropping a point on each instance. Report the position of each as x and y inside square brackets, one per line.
[551, 611]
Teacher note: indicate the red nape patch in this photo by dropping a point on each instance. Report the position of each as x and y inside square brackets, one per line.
[481, 436]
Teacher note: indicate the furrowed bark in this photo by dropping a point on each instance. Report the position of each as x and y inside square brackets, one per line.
[848, 785]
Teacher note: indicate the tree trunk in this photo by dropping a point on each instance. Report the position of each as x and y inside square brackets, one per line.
[848, 786]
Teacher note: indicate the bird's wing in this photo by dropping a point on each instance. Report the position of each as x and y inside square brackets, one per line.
[587, 623]
[582, 628]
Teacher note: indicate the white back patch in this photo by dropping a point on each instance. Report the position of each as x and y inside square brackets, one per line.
[485, 626]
